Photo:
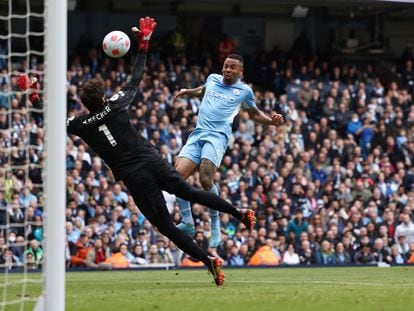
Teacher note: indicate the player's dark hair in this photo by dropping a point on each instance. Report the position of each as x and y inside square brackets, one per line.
[236, 56]
[91, 94]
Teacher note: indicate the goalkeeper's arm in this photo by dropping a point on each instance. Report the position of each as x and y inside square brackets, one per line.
[147, 26]
[137, 70]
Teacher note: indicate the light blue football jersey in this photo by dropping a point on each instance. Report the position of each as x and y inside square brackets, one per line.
[221, 103]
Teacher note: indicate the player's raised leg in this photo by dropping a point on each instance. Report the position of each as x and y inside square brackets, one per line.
[185, 167]
[171, 181]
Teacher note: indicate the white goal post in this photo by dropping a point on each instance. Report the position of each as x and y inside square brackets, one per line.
[55, 121]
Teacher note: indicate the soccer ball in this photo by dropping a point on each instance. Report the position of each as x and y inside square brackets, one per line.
[116, 44]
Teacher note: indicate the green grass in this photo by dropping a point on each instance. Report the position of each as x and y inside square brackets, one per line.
[333, 289]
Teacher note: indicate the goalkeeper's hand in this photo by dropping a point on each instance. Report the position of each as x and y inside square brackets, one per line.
[24, 83]
[147, 26]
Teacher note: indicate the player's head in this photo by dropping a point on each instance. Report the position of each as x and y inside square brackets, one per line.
[92, 94]
[232, 68]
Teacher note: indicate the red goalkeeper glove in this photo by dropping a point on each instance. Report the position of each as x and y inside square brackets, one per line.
[147, 26]
[24, 83]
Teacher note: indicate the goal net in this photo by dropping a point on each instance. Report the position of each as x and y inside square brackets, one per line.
[32, 140]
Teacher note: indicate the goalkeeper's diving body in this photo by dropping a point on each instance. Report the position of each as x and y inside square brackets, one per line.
[222, 98]
[108, 131]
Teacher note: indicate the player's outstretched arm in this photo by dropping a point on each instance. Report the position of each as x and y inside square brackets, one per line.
[147, 26]
[197, 92]
[25, 83]
[259, 116]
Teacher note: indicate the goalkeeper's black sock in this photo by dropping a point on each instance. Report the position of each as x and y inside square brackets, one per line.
[184, 191]
[163, 222]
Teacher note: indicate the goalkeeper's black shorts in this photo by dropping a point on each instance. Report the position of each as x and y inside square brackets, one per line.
[146, 185]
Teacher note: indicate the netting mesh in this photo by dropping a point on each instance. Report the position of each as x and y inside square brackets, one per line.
[21, 156]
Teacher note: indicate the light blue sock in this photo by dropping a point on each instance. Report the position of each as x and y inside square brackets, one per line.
[214, 215]
[215, 222]
[185, 209]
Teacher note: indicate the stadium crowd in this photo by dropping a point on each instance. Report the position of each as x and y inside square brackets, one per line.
[333, 185]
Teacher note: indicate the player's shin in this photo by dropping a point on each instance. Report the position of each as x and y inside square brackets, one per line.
[185, 209]
[187, 223]
[215, 223]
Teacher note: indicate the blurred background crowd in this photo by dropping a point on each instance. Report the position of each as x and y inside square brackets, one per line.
[333, 185]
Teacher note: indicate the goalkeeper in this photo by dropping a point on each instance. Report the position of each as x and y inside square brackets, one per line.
[108, 131]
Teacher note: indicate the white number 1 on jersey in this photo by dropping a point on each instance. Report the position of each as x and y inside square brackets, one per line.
[103, 128]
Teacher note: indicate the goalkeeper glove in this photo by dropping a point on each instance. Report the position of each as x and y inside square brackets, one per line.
[147, 26]
[24, 83]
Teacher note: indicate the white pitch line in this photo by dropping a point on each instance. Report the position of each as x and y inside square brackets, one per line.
[279, 282]
[272, 282]
[310, 282]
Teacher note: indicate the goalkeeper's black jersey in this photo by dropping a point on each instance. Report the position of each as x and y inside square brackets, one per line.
[111, 135]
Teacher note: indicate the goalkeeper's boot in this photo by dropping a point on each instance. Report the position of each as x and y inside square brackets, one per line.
[248, 218]
[216, 265]
[187, 228]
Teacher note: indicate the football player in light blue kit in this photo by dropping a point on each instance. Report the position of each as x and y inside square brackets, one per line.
[222, 98]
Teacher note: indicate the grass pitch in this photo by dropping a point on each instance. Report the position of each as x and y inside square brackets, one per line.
[302, 289]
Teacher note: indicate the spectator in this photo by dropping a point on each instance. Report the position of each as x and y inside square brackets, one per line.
[26, 197]
[8, 260]
[405, 228]
[360, 192]
[365, 133]
[364, 256]
[396, 257]
[403, 247]
[380, 252]
[355, 125]
[243, 134]
[139, 255]
[120, 196]
[96, 256]
[164, 250]
[290, 257]
[34, 254]
[16, 216]
[156, 257]
[325, 256]
[297, 225]
[71, 233]
[19, 249]
[342, 256]
[305, 95]
[264, 256]
[119, 259]
[411, 253]
[306, 255]
[5, 96]
[235, 259]
[79, 259]
[176, 253]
